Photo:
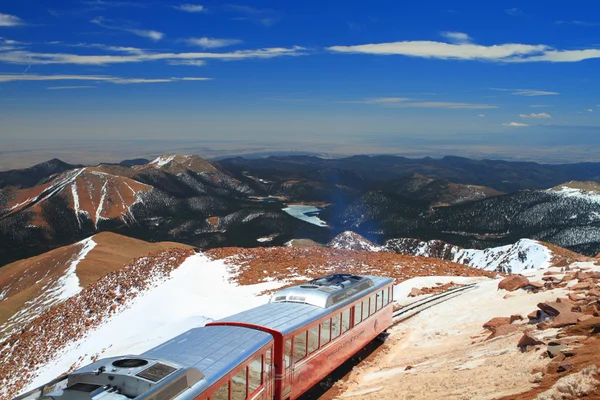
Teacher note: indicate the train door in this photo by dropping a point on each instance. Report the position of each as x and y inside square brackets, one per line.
[288, 373]
[268, 374]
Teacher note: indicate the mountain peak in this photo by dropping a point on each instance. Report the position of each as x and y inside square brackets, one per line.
[176, 163]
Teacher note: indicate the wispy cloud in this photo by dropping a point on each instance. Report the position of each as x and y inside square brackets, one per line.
[261, 16]
[211, 43]
[101, 4]
[534, 115]
[193, 63]
[514, 124]
[462, 50]
[515, 12]
[589, 110]
[190, 8]
[404, 102]
[526, 92]
[541, 105]
[10, 20]
[32, 58]
[456, 37]
[481, 115]
[150, 34]
[95, 78]
[70, 87]
[576, 22]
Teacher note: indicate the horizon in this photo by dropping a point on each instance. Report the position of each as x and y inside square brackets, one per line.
[155, 77]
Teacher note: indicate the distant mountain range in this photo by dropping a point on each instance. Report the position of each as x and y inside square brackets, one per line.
[240, 202]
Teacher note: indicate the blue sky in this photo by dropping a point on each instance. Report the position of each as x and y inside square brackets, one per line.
[381, 75]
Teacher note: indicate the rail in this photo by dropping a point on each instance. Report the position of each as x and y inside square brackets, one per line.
[414, 308]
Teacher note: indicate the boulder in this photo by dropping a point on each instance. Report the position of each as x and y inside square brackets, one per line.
[502, 330]
[554, 308]
[582, 286]
[513, 282]
[494, 323]
[516, 317]
[565, 366]
[575, 297]
[594, 292]
[566, 318]
[416, 292]
[528, 340]
[536, 285]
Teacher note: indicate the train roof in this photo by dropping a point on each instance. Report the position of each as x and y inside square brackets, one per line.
[287, 316]
[214, 350]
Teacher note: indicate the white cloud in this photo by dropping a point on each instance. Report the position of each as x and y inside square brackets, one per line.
[10, 20]
[456, 37]
[403, 102]
[32, 58]
[514, 124]
[212, 43]
[70, 87]
[481, 115]
[576, 22]
[534, 115]
[589, 110]
[147, 33]
[540, 105]
[515, 12]
[191, 8]
[194, 63]
[460, 49]
[526, 92]
[95, 78]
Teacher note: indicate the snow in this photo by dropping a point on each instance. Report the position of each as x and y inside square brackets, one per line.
[301, 211]
[523, 255]
[264, 239]
[162, 160]
[197, 292]
[68, 285]
[100, 205]
[588, 195]
[76, 202]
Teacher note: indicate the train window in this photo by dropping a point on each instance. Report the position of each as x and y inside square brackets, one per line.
[239, 390]
[299, 346]
[335, 326]
[380, 300]
[386, 298]
[365, 309]
[255, 374]
[345, 320]
[268, 362]
[221, 393]
[325, 332]
[313, 339]
[288, 353]
[357, 313]
[372, 304]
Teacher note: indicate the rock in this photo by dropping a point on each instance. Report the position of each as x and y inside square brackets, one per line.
[594, 293]
[575, 297]
[565, 366]
[555, 350]
[513, 282]
[516, 317]
[554, 308]
[536, 285]
[508, 296]
[584, 318]
[565, 318]
[536, 378]
[582, 286]
[416, 292]
[502, 331]
[408, 368]
[528, 340]
[553, 279]
[494, 323]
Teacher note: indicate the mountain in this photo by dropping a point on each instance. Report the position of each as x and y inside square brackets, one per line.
[131, 310]
[503, 176]
[438, 192]
[514, 258]
[349, 240]
[29, 287]
[172, 198]
[28, 177]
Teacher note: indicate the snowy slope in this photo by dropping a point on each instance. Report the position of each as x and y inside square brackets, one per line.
[349, 240]
[523, 255]
[197, 292]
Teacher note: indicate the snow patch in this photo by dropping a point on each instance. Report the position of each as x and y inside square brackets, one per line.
[301, 212]
[162, 161]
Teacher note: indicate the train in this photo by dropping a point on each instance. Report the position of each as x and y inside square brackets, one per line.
[278, 350]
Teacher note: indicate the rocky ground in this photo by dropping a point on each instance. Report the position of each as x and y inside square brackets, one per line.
[64, 323]
[535, 337]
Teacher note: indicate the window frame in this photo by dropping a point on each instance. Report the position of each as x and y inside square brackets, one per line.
[299, 336]
[357, 313]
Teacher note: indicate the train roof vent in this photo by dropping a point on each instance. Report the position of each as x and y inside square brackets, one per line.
[326, 291]
[157, 372]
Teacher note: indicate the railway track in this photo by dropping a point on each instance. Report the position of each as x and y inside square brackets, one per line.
[416, 307]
